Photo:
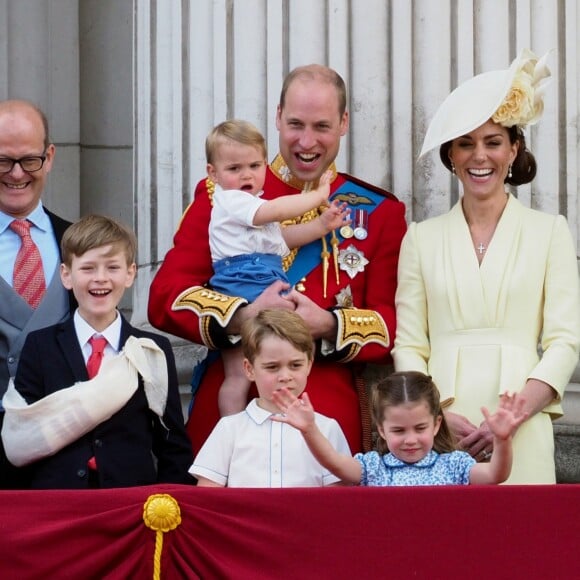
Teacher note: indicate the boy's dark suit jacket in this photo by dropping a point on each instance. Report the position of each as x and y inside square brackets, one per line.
[132, 447]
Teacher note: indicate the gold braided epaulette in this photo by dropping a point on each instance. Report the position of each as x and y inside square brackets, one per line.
[360, 327]
[210, 186]
[206, 302]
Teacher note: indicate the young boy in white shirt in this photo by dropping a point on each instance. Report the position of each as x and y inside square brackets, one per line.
[248, 449]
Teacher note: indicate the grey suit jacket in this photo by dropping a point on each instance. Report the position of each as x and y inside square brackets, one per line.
[17, 318]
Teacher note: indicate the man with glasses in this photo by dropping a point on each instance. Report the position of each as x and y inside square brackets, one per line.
[31, 293]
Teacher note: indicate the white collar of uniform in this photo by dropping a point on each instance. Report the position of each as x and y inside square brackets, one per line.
[256, 413]
[85, 331]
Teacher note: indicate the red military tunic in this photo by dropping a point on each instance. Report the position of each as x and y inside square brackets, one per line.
[331, 385]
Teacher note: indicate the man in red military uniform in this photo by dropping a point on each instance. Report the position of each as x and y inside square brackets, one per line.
[344, 284]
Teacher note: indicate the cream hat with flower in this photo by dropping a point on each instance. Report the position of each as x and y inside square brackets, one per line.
[512, 96]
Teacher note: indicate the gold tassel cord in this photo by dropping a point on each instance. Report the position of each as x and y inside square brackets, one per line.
[161, 513]
[325, 254]
[334, 244]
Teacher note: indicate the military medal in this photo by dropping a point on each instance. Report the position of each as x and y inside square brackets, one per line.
[352, 261]
[361, 224]
[346, 232]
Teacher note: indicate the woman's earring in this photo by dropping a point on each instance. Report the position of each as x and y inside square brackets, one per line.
[452, 167]
[510, 171]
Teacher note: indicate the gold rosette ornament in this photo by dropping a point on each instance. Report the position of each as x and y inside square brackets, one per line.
[161, 513]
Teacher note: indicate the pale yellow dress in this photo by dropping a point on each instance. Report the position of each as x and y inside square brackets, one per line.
[482, 330]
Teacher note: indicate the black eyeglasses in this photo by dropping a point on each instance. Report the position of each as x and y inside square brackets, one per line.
[28, 164]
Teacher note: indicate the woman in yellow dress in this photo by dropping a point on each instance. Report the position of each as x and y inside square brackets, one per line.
[488, 295]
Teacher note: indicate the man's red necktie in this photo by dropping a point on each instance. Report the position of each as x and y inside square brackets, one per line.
[28, 276]
[97, 349]
[93, 364]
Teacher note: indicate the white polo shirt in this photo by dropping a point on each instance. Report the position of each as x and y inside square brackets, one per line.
[231, 229]
[250, 450]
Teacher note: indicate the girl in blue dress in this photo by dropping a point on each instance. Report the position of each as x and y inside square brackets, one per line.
[414, 446]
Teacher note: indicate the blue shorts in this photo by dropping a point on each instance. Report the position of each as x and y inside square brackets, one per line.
[247, 275]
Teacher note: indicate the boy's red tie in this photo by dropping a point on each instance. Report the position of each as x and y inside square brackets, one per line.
[98, 344]
[97, 349]
[28, 276]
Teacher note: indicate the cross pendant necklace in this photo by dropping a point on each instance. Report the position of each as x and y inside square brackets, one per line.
[481, 248]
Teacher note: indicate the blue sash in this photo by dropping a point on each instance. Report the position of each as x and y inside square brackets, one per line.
[307, 259]
[308, 256]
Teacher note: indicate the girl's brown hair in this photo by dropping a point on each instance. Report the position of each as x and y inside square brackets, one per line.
[410, 387]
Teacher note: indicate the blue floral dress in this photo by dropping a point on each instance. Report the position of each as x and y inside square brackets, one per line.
[434, 469]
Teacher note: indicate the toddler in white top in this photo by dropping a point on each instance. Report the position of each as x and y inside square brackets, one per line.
[246, 240]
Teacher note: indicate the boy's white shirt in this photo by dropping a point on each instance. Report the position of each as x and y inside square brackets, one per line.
[250, 450]
[85, 331]
[231, 229]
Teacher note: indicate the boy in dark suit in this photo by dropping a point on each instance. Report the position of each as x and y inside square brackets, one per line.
[124, 427]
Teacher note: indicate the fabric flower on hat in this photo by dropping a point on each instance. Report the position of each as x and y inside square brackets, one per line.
[524, 104]
[512, 96]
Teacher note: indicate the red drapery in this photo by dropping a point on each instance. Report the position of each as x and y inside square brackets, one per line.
[431, 532]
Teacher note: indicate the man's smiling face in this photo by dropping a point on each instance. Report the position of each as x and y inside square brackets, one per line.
[22, 135]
